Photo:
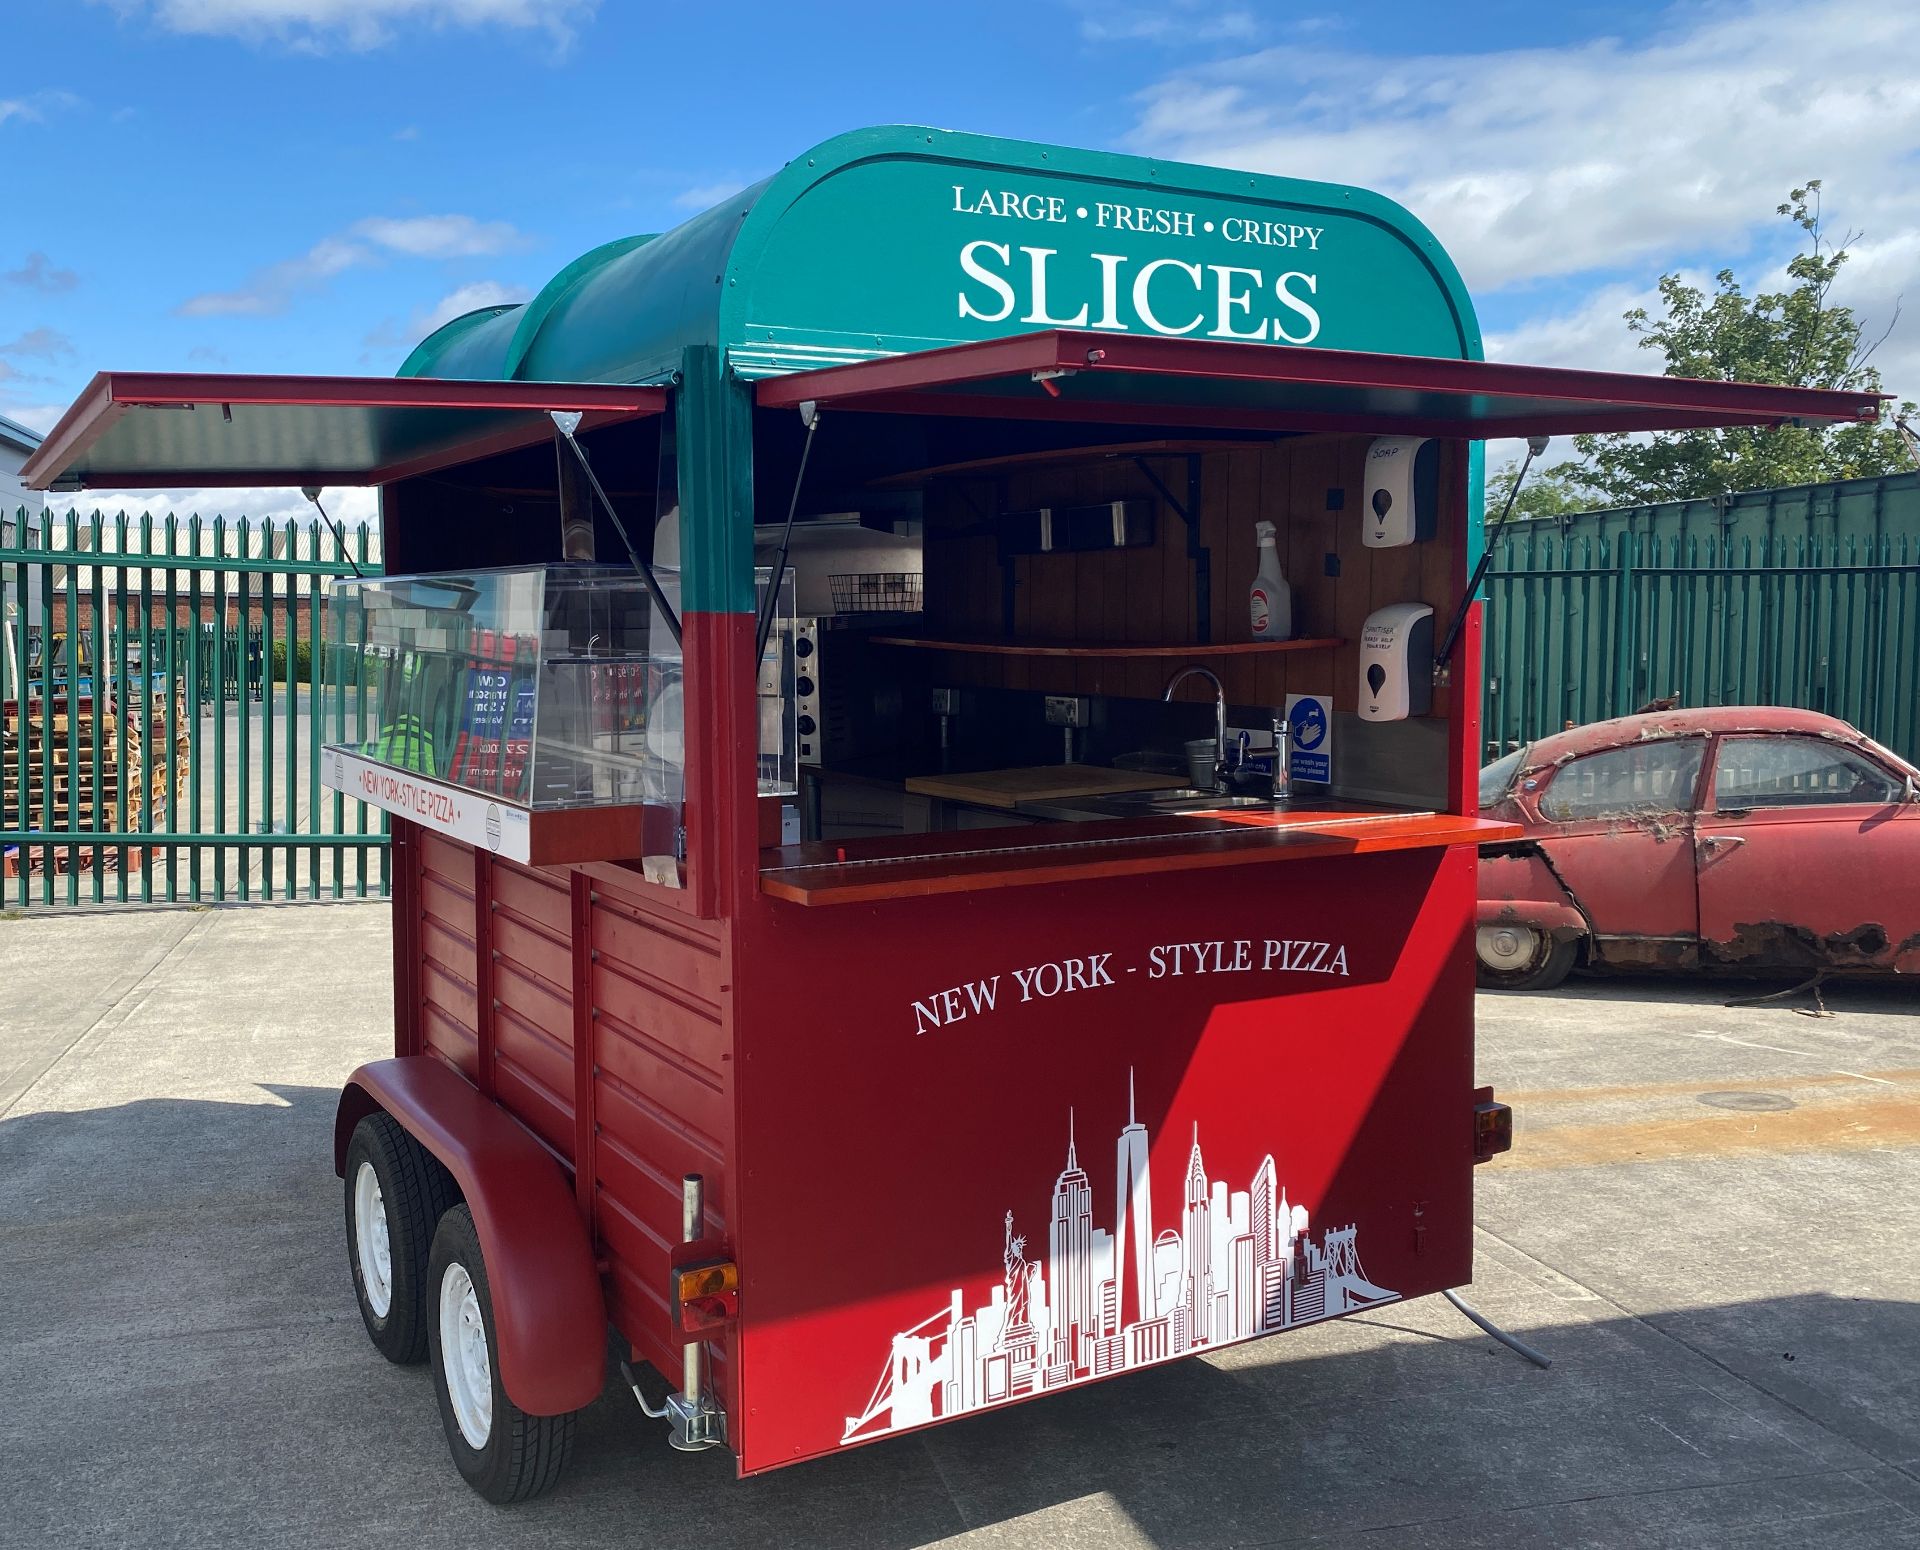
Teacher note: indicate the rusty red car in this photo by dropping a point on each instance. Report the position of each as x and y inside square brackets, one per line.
[1740, 839]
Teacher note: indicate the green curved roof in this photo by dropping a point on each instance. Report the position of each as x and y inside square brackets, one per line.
[893, 239]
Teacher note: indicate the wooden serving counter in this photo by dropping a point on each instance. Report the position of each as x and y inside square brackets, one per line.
[866, 871]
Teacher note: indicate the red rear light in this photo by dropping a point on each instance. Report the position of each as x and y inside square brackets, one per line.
[705, 1296]
[1492, 1126]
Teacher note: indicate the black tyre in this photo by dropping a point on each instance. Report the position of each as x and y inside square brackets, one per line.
[501, 1451]
[397, 1192]
[1514, 957]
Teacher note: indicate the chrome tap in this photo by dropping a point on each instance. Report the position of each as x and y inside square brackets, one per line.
[1219, 712]
[1282, 756]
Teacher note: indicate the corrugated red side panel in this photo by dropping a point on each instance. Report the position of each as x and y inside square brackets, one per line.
[662, 1104]
[449, 1002]
[495, 985]
[532, 1001]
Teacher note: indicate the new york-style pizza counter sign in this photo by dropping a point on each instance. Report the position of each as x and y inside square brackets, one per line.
[1054, 280]
[1101, 971]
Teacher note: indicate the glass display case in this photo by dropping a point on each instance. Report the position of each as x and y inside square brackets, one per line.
[551, 689]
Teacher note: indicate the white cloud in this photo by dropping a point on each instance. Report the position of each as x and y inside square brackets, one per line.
[42, 344]
[439, 236]
[392, 339]
[39, 274]
[271, 290]
[317, 25]
[705, 196]
[1604, 163]
[1188, 21]
[36, 417]
[35, 106]
[1537, 162]
[350, 506]
[1592, 336]
[468, 298]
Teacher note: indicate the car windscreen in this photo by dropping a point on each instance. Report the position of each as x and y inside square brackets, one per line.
[1496, 777]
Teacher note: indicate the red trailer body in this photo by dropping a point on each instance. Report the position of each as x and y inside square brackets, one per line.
[855, 1135]
[877, 1124]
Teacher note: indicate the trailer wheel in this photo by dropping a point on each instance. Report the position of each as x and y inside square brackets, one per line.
[503, 1453]
[396, 1192]
[1513, 957]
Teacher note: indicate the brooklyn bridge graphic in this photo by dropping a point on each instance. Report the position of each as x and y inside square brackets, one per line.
[1236, 1265]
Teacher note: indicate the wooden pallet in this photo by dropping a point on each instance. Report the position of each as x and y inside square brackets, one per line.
[77, 802]
[12, 865]
[61, 722]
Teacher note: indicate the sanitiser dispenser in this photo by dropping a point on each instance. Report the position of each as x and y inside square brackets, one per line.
[1396, 662]
[1403, 488]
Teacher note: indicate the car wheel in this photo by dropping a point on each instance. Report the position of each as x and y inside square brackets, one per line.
[1516, 957]
[501, 1451]
[396, 1194]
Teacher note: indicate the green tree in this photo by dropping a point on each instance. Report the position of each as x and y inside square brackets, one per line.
[1794, 337]
[1559, 491]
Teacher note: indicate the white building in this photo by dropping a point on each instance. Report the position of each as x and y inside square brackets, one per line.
[17, 502]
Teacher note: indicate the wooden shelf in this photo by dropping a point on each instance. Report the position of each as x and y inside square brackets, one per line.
[1109, 648]
[1057, 456]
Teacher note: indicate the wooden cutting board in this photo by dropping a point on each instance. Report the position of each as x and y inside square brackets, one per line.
[1039, 783]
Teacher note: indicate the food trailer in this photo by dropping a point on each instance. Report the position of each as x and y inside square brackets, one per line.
[883, 919]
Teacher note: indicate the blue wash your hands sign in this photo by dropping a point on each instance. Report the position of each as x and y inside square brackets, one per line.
[1311, 718]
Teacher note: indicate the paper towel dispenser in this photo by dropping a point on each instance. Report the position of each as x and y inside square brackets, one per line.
[1396, 662]
[1402, 493]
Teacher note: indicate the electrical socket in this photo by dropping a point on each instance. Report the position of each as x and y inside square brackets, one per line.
[1068, 710]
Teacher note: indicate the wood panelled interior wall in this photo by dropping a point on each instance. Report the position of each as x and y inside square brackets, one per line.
[1147, 594]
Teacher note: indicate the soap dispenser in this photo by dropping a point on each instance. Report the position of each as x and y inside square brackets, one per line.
[1396, 662]
[1269, 599]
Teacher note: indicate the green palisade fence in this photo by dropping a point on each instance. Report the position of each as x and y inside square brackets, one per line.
[1807, 596]
[165, 700]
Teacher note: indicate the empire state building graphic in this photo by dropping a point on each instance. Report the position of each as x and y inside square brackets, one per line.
[1241, 1263]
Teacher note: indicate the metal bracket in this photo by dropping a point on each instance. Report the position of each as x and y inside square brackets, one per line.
[1197, 552]
[697, 1423]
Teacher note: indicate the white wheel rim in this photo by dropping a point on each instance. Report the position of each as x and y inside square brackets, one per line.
[371, 1246]
[463, 1356]
[1507, 948]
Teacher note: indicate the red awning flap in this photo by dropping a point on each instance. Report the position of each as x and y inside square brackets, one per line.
[1088, 376]
[155, 430]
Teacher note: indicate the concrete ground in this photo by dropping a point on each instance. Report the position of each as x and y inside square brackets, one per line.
[1711, 1222]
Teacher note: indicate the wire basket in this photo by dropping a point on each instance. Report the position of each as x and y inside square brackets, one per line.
[877, 592]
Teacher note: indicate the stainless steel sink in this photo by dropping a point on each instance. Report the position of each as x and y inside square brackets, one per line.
[1182, 799]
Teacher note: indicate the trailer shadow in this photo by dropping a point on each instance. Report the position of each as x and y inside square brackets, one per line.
[186, 1363]
[1884, 995]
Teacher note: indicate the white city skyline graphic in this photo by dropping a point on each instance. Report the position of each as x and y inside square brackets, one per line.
[1238, 1265]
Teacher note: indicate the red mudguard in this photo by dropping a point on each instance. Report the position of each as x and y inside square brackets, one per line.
[547, 1304]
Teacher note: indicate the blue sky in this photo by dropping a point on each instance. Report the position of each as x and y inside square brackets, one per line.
[305, 185]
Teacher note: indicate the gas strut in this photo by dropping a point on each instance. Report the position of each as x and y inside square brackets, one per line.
[1535, 446]
[566, 422]
[312, 493]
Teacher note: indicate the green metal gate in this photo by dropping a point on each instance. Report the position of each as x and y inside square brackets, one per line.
[164, 700]
[1807, 596]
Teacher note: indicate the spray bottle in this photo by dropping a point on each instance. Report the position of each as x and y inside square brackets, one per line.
[1270, 599]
